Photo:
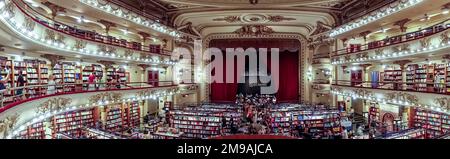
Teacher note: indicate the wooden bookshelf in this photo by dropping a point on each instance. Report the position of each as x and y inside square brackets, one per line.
[71, 123]
[35, 131]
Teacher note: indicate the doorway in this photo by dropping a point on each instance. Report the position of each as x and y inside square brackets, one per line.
[356, 77]
[153, 78]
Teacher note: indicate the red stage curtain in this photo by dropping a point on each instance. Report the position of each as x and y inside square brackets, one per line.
[288, 84]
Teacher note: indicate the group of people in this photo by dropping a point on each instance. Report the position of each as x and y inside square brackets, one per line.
[256, 100]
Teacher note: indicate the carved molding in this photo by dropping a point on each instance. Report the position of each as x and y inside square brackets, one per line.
[8, 124]
[229, 19]
[279, 18]
[254, 30]
[107, 64]
[109, 49]
[444, 38]
[442, 102]
[54, 59]
[29, 24]
[80, 44]
[401, 96]
[107, 96]
[55, 104]
[425, 42]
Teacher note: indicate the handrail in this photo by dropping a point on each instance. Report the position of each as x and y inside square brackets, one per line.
[90, 35]
[10, 96]
[398, 39]
[424, 87]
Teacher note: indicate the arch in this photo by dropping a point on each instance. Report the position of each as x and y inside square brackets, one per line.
[322, 49]
[303, 83]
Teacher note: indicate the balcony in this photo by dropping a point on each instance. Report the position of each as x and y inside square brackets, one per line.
[435, 88]
[396, 93]
[433, 39]
[67, 40]
[30, 110]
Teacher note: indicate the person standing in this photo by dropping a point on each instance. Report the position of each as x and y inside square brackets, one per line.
[20, 83]
[91, 82]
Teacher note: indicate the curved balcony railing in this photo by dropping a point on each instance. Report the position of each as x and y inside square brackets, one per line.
[437, 88]
[89, 35]
[11, 96]
[395, 40]
[27, 28]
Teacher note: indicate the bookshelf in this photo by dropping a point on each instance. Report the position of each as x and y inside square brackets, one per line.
[134, 114]
[71, 123]
[110, 73]
[114, 118]
[6, 64]
[280, 122]
[421, 77]
[122, 75]
[440, 73]
[69, 76]
[393, 74]
[197, 124]
[230, 112]
[448, 77]
[58, 74]
[34, 131]
[435, 123]
[410, 77]
[318, 121]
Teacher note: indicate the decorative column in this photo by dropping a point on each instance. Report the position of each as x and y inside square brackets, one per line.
[54, 59]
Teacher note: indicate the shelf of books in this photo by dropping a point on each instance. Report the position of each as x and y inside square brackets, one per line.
[58, 74]
[280, 122]
[114, 118]
[110, 73]
[421, 78]
[71, 123]
[98, 70]
[197, 124]
[134, 115]
[318, 121]
[69, 76]
[122, 75]
[5, 66]
[35, 131]
[435, 123]
[231, 113]
[448, 77]
[411, 76]
[393, 74]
